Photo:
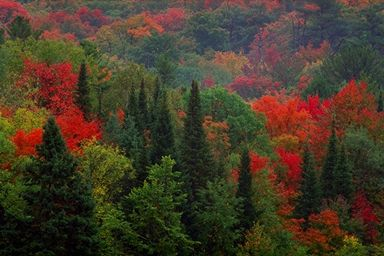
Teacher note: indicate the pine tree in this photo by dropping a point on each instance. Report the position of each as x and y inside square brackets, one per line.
[142, 118]
[132, 108]
[196, 157]
[2, 36]
[132, 143]
[244, 192]
[380, 103]
[162, 131]
[328, 174]
[82, 93]
[309, 199]
[155, 100]
[155, 218]
[343, 175]
[20, 28]
[62, 206]
[112, 130]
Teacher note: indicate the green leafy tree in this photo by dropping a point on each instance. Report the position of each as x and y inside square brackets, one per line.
[329, 167]
[245, 193]
[309, 200]
[62, 205]
[217, 218]
[155, 218]
[82, 93]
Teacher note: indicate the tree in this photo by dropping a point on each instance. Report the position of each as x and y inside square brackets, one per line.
[217, 218]
[329, 167]
[309, 200]
[82, 93]
[196, 157]
[166, 69]
[142, 117]
[244, 193]
[62, 205]
[20, 28]
[155, 219]
[162, 137]
[343, 183]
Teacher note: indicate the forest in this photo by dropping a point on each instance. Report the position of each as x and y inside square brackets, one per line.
[192, 127]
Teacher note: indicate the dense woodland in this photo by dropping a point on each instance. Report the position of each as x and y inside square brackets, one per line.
[194, 127]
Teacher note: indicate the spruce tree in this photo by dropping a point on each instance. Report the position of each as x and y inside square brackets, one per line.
[112, 130]
[343, 175]
[142, 118]
[20, 28]
[62, 205]
[82, 94]
[196, 158]
[244, 192]
[329, 167]
[380, 103]
[132, 108]
[309, 199]
[162, 131]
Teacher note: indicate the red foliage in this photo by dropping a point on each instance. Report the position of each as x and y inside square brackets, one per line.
[172, 19]
[76, 129]
[10, 10]
[55, 84]
[314, 106]
[25, 143]
[94, 18]
[322, 234]
[251, 87]
[363, 211]
[258, 163]
[292, 162]
[56, 34]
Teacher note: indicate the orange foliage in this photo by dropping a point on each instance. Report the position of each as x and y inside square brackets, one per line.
[258, 163]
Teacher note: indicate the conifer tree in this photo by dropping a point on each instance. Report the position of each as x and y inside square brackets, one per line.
[62, 205]
[197, 160]
[162, 131]
[112, 130]
[244, 192]
[132, 108]
[309, 199]
[328, 174]
[343, 175]
[82, 93]
[142, 118]
[20, 28]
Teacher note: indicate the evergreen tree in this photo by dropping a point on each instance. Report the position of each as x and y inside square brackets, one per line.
[82, 94]
[132, 108]
[328, 174]
[112, 130]
[343, 175]
[309, 199]
[155, 100]
[217, 218]
[244, 192]
[197, 160]
[20, 28]
[142, 117]
[2, 39]
[380, 103]
[62, 205]
[162, 132]
[155, 218]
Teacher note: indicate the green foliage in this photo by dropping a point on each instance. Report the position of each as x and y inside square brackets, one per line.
[351, 62]
[62, 207]
[309, 200]
[82, 93]
[343, 175]
[196, 157]
[216, 218]
[166, 69]
[20, 28]
[329, 168]
[352, 247]
[205, 28]
[155, 219]
[162, 136]
[245, 193]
